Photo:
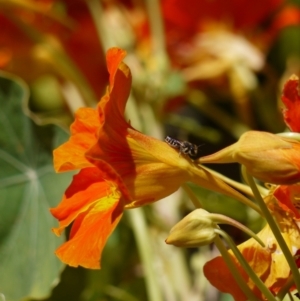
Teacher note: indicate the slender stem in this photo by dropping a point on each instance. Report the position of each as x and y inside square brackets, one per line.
[239, 186]
[285, 288]
[192, 196]
[222, 219]
[290, 296]
[157, 33]
[198, 171]
[263, 191]
[276, 231]
[235, 272]
[141, 234]
[96, 12]
[246, 266]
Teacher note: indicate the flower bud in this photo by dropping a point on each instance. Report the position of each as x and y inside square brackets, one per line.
[266, 156]
[194, 230]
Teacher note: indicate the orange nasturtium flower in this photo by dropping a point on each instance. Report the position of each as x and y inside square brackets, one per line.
[120, 168]
[268, 263]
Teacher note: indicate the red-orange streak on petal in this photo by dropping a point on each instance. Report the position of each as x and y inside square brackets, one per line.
[70, 155]
[112, 106]
[87, 187]
[146, 177]
[291, 99]
[112, 145]
[139, 160]
[109, 173]
[89, 234]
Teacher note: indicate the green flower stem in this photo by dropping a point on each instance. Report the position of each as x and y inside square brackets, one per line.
[157, 33]
[141, 234]
[235, 272]
[240, 197]
[285, 288]
[222, 219]
[246, 266]
[291, 298]
[263, 191]
[237, 185]
[192, 196]
[96, 12]
[276, 231]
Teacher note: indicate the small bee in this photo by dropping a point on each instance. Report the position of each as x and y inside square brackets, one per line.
[185, 147]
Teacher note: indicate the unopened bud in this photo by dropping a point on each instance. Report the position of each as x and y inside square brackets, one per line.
[194, 230]
[266, 156]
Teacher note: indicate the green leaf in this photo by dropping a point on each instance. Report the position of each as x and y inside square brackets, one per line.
[28, 188]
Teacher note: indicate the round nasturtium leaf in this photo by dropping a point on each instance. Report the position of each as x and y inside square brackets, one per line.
[28, 188]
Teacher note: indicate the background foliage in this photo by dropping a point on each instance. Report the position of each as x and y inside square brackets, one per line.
[204, 72]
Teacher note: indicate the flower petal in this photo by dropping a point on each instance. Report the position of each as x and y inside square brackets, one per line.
[90, 232]
[112, 106]
[218, 274]
[111, 144]
[95, 205]
[114, 57]
[87, 187]
[154, 182]
[291, 99]
[288, 197]
[85, 129]
[70, 155]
